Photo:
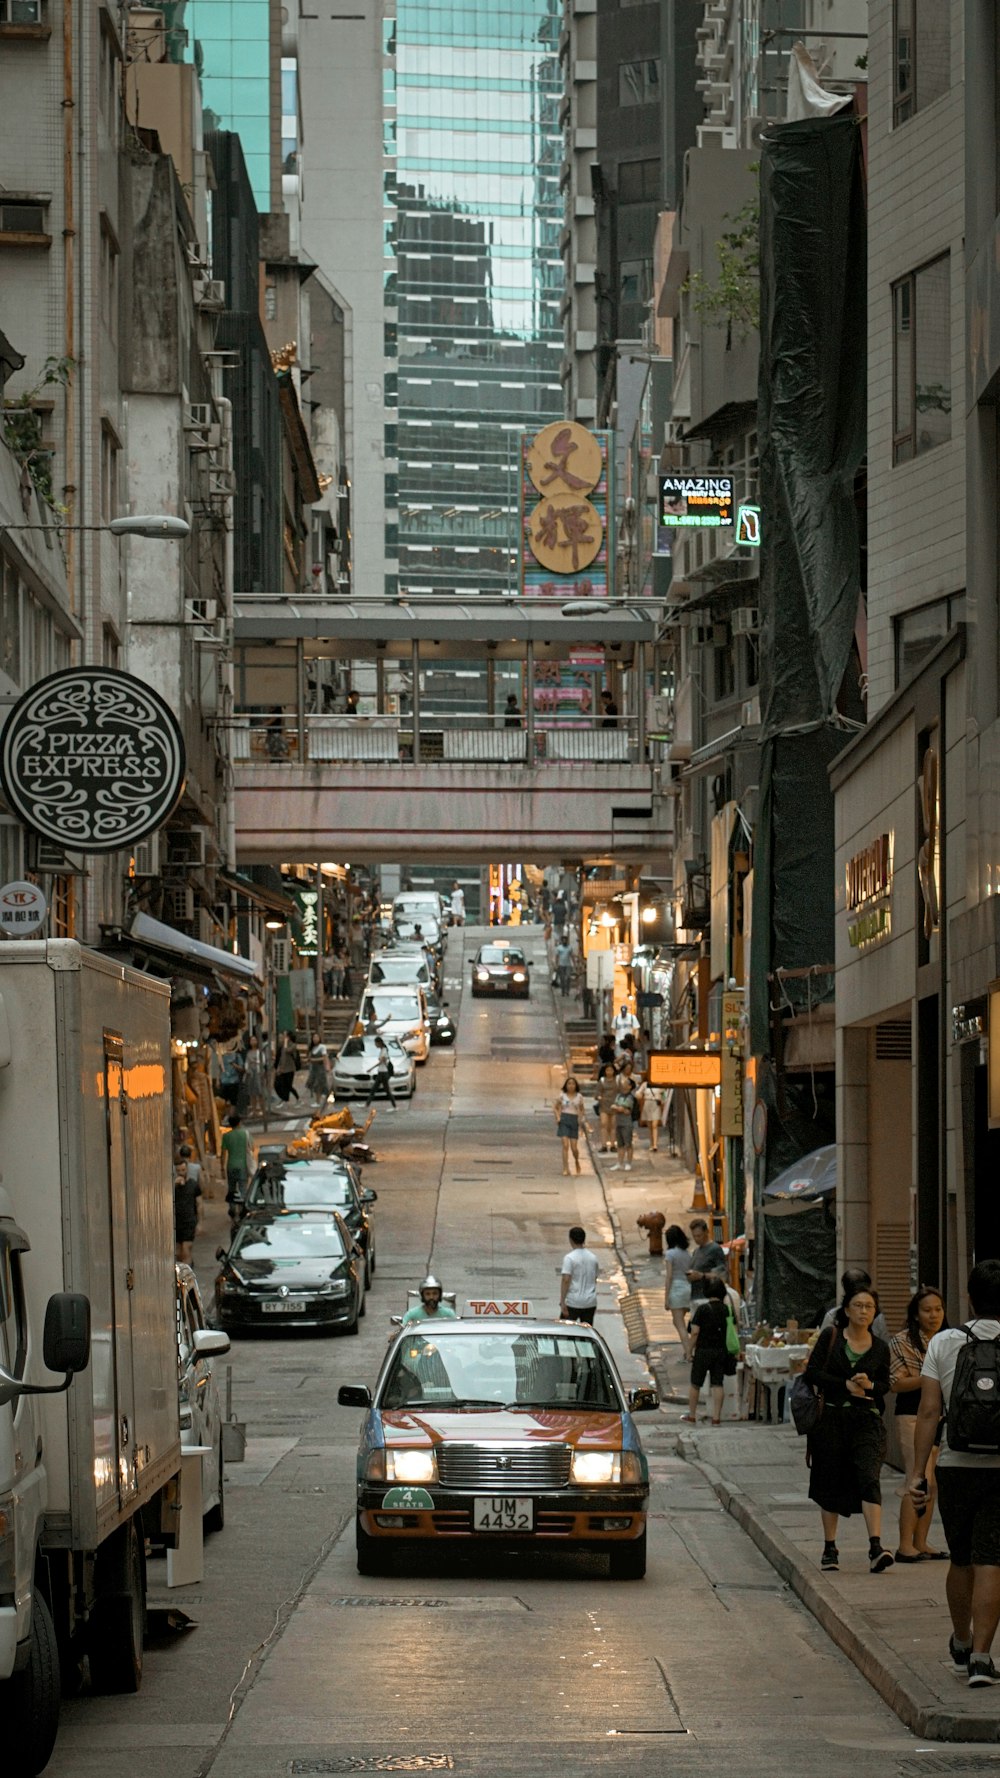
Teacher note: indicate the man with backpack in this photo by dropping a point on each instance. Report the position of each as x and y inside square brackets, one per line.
[961, 1380]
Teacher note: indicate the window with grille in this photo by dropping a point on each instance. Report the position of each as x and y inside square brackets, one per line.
[22, 217]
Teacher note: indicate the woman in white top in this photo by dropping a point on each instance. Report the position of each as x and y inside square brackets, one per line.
[651, 1112]
[677, 1264]
[570, 1113]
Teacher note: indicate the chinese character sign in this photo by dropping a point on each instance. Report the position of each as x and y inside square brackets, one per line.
[565, 508]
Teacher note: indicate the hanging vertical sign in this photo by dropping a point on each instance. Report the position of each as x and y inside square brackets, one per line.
[567, 512]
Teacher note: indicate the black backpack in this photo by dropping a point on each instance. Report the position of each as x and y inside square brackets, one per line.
[973, 1418]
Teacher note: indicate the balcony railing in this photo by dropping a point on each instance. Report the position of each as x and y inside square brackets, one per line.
[439, 740]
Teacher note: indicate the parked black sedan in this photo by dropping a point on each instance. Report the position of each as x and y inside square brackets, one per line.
[291, 1268]
[501, 969]
[281, 1183]
[442, 1025]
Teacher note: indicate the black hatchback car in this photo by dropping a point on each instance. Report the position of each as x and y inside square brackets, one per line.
[501, 969]
[281, 1183]
[290, 1268]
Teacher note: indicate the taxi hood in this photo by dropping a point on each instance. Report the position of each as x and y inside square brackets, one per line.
[579, 1427]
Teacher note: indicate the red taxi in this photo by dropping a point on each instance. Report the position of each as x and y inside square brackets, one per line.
[499, 1431]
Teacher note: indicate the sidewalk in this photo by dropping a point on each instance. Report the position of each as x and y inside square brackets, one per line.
[895, 1626]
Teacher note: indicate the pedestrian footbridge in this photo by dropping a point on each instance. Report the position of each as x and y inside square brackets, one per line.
[539, 770]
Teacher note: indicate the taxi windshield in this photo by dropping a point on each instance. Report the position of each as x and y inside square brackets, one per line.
[500, 1369]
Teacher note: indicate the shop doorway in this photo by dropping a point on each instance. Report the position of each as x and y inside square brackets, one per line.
[890, 1148]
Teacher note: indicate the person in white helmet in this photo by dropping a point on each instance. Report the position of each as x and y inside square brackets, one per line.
[431, 1306]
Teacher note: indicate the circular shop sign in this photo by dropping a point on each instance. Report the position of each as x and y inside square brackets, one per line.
[23, 907]
[92, 759]
[565, 458]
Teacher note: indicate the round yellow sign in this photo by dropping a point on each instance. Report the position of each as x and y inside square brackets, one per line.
[565, 533]
[565, 459]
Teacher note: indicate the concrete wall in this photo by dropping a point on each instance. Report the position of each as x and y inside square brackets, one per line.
[340, 70]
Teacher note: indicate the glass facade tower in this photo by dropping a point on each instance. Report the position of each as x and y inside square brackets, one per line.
[474, 340]
[230, 43]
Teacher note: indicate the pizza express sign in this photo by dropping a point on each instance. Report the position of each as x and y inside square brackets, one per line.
[92, 759]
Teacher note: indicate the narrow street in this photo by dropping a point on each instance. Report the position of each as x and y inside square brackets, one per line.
[295, 1664]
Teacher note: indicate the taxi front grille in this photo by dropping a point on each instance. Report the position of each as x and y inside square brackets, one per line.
[504, 1468]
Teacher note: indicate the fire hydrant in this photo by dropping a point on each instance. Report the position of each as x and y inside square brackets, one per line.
[654, 1222]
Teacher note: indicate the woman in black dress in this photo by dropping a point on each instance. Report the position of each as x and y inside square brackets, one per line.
[850, 1365]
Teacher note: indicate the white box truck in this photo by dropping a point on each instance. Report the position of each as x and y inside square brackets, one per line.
[86, 1218]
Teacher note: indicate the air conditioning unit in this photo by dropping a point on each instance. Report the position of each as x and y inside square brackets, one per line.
[746, 621]
[146, 856]
[210, 293]
[180, 904]
[201, 611]
[186, 847]
[199, 416]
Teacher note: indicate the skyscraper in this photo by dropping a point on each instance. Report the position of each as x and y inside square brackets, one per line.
[474, 312]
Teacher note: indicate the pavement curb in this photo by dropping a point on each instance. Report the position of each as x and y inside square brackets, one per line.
[875, 1660]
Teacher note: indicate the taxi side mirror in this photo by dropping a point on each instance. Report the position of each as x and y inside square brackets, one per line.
[354, 1395]
[643, 1401]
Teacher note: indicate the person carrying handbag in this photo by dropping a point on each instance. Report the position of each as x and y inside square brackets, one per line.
[846, 1444]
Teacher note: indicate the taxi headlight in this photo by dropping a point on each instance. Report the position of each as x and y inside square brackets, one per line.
[519, 975]
[411, 1466]
[482, 975]
[596, 1468]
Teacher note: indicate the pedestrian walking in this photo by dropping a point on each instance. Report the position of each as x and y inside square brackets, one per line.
[578, 1280]
[285, 1068]
[564, 966]
[624, 1023]
[560, 914]
[187, 1213]
[570, 1114]
[958, 1361]
[677, 1289]
[607, 1092]
[650, 1112]
[318, 1077]
[711, 1360]
[512, 712]
[607, 1050]
[381, 1076]
[845, 1448]
[709, 1259]
[237, 1155]
[253, 1080]
[624, 1109]
[925, 1317]
[186, 1154]
[457, 905]
[231, 1082]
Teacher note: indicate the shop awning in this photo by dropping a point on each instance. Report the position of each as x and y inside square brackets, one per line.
[188, 956]
[262, 893]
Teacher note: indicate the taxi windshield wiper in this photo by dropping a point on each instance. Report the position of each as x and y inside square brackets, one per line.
[570, 1407]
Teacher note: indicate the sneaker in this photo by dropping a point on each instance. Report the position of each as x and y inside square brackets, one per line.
[627, 1167]
[982, 1671]
[830, 1559]
[615, 1168]
[879, 1562]
[959, 1655]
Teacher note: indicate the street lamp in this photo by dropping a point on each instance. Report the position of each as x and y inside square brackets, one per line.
[140, 524]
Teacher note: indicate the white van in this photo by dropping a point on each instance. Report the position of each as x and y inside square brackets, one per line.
[398, 969]
[401, 1013]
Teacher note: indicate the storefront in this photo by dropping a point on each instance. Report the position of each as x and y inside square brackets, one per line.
[899, 812]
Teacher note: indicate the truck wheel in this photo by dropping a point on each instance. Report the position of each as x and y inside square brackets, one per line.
[118, 1622]
[29, 1703]
[627, 1561]
[215, 1518]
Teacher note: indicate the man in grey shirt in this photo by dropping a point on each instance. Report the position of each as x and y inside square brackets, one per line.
[709, 1259]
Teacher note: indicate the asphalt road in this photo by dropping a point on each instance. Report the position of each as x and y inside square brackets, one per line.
[293, 1664]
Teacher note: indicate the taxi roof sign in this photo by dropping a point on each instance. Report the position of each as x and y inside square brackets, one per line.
[483, 1308]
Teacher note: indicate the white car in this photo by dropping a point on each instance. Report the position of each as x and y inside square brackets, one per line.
[200, 1407]
[399, 969]
[356, 1062]
[425, 910]
[401, 1013]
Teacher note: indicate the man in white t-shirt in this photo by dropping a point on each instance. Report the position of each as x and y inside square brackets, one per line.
[624, 1022]
[578, 1283]
[968, 1484]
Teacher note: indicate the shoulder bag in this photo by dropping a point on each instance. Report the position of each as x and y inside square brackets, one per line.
[805, 1398]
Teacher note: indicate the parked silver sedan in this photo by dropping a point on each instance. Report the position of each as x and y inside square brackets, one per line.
[356, 1062]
